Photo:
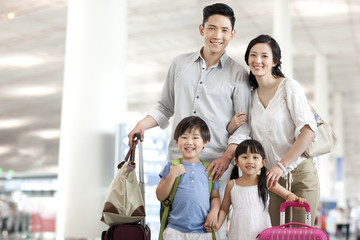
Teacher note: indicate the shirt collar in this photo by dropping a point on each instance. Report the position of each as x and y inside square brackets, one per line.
[197, 56]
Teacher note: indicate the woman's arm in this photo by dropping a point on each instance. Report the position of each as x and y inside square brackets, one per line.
[302, 142]
[236, 121]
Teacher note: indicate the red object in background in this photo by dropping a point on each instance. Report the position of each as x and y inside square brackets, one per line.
[42, 223]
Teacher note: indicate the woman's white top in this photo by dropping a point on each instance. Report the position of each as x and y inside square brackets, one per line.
[278, 125]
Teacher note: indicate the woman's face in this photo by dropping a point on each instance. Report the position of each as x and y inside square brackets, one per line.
[261, 60]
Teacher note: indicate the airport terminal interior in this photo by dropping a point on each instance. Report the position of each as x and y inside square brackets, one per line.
[321, 50]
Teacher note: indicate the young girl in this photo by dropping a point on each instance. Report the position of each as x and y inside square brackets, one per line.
[248, 194]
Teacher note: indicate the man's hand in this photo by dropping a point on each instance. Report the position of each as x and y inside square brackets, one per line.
[218, 167]
[146, 123]
[137, 129]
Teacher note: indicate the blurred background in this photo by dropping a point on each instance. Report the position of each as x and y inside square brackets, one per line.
[322, 42]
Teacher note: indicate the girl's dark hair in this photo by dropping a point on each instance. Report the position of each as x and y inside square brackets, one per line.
[254, 147]
[221, 9]
[276, 51]
[189, 123]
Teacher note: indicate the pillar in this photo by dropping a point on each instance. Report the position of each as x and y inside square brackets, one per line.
[326, 166]
[94, 102]
[338, 126]
[283, 35]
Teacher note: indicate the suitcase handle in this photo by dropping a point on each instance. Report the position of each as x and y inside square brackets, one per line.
[294, 223]
[295, 204]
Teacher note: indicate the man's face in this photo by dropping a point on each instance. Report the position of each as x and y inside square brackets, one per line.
[217, 33]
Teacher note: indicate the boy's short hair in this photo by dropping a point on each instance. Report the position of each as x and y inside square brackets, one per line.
[221, 9]
[190, 123]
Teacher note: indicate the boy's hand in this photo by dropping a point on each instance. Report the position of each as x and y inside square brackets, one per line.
[236, 121]
[211, 221]
[177, 170]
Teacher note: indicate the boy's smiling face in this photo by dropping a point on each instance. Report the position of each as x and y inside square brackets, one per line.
[190, 144]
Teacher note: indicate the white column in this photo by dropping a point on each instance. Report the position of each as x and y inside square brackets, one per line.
[338, 126]
[326, 166]
[282, 34]
[94, 102]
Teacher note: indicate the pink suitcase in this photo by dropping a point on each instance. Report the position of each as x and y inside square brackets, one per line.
[287, 232]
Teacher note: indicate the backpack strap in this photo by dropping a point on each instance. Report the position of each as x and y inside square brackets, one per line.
[211, 184]
[166, 204]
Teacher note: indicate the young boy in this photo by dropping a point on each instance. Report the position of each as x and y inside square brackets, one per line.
[191, 208]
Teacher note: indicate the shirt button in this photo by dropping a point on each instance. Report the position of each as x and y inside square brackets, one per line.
[192, 180]
[193, 164]
[200, 82]
[192, 172]
[197, 96]
[194, 111]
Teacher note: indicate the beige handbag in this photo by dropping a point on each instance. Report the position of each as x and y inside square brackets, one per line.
[124, 202]
[326, 139]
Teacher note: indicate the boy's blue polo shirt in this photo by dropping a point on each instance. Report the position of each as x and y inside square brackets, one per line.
[191, 203]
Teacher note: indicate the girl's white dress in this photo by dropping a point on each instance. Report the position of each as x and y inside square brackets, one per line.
[249, 218]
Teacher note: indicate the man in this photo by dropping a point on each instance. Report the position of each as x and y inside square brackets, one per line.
[208, 84]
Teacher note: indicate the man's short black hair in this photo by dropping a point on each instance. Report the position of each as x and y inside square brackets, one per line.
[221, 9]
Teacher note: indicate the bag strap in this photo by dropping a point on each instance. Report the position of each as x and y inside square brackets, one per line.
[130, 156]
[211, 184]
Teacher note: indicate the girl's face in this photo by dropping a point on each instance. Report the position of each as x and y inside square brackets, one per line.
[250, 163]
[261, 60]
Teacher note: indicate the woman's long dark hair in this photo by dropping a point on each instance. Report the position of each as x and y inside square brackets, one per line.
[254, 147]
[276, 51]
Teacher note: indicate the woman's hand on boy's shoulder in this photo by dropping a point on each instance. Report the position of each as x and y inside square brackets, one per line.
[177, 170]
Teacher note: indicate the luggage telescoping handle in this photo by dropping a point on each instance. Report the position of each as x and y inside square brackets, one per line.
[295, 204]
[141, 170]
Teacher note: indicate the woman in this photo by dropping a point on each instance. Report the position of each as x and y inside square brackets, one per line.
[282, 121]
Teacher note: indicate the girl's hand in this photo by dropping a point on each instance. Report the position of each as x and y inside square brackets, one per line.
[273, 176]
[236, 121]
[301, 200]
[211, 221]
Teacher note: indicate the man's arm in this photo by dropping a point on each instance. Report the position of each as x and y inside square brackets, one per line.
[146, 123]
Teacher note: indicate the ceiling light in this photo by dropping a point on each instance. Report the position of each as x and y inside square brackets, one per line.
[31, 91]
[5, 149]
[20, 60]
[11, 15]
[13, 123]
[47, 134]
